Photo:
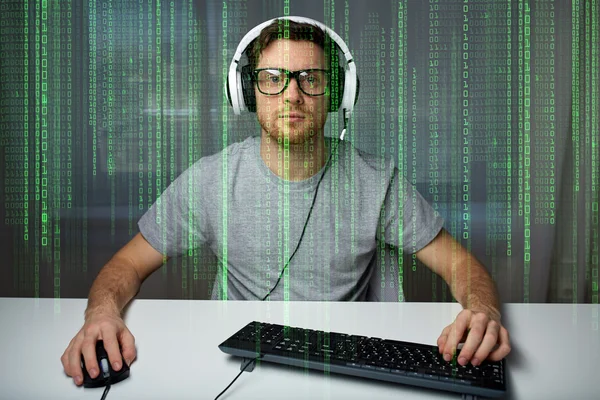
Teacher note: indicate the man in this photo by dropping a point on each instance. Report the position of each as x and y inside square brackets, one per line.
[291, 215]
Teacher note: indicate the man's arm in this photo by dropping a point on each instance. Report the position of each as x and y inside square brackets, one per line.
[121, 278]
[469, 282]
[116, 284]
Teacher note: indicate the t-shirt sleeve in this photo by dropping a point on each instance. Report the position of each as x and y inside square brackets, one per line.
[410, 221]
[174, 224]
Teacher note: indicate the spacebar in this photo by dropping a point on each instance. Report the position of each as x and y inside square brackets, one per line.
[308, 356]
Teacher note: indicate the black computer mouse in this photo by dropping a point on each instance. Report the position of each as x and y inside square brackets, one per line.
[107, 375]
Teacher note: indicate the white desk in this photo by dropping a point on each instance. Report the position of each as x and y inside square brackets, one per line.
[555, 349]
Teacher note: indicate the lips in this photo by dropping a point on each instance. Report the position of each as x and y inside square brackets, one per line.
[293, 116]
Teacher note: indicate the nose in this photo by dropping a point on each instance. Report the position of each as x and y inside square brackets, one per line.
[292, 93]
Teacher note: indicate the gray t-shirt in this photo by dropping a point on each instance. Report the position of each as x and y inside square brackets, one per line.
[252, 219]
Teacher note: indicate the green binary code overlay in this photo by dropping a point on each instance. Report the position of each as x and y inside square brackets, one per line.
[104, 103]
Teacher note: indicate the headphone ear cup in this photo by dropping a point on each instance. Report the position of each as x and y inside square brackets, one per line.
[357, 89]
[337, 93]
[228, 91]
[248, 88]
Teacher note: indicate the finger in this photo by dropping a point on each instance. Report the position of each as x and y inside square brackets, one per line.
[75, 361]
[443, 338]
[482, 332]
[88, 349]
[504, 348]
[487, 345]
[128, 346]
[64, 359]
[456, 333]
[441, 342]
[111, 345]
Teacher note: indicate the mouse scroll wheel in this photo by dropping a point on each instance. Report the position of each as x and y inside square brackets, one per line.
[104, 366]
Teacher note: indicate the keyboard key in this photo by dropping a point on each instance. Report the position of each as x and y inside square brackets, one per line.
[414, 374]
[462, 381]
[398, 371]
[431, 376]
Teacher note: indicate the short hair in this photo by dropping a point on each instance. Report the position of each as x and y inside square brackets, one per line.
[296, 31]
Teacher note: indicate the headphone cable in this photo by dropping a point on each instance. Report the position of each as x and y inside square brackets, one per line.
[299, 240]
[305, 222]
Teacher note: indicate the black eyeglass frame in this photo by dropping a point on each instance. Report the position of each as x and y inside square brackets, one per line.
[289, 75]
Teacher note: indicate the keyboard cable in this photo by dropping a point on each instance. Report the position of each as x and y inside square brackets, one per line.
[238, 375]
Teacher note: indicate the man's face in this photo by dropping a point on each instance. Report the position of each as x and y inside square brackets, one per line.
[291, 114]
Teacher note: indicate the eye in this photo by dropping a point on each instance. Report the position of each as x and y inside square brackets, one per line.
[312, 78]
[271, 77]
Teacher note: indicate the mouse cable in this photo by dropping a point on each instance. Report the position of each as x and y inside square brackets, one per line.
[238, 375]
[105, 392]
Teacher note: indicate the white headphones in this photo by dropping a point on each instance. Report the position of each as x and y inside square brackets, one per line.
[234, 86]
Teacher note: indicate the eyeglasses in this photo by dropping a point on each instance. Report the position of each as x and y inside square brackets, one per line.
[272, 81]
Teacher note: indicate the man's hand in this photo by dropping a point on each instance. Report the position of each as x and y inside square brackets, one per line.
[486, 338]
[112, 330]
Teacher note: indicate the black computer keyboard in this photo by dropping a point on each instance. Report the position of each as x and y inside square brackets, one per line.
[368, 357]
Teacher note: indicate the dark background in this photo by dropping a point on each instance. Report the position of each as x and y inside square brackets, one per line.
[88, 89]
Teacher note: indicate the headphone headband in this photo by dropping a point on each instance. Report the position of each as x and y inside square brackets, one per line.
[234, 86]
[255, 32]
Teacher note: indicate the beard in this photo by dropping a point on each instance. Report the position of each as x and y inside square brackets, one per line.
[296, 132]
